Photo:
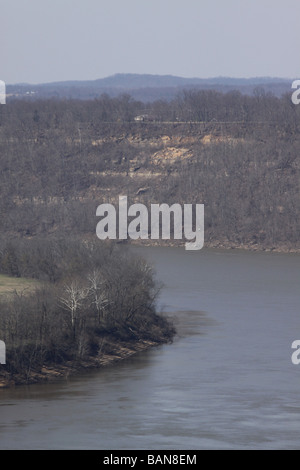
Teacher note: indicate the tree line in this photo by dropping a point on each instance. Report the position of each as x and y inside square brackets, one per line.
[190, 105]
[87, 293]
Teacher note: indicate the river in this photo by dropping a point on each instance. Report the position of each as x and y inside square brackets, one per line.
[227, 381]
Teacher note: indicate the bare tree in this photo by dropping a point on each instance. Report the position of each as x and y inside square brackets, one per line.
[98, 293]
[73, 300]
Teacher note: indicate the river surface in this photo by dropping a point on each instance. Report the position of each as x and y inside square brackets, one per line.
[227, 381]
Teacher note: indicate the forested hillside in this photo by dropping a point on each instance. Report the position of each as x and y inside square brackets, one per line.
[236, 154]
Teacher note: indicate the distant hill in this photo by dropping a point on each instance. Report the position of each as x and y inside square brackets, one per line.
[146, 87]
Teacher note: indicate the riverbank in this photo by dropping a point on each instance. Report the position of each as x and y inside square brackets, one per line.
[221, 245]
[215, 386]
[118, 351]
[96, 305]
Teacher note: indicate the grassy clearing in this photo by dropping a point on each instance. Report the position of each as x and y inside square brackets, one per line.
[8, 284]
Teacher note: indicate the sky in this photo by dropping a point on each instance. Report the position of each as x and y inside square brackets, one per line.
[55, 40]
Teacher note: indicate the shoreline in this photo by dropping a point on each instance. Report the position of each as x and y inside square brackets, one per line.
[218, 245]
[49, 373]
[119, 350]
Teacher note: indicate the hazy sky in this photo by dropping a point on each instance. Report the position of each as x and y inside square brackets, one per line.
[51, 40]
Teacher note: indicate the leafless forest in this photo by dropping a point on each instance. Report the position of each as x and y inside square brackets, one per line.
[236, 154]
